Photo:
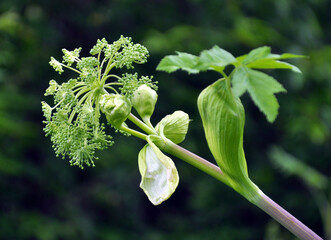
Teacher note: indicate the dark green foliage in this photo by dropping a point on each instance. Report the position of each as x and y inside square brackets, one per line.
[259, 85]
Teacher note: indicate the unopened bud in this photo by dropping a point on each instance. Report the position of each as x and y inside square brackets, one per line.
[116, 108]
[144, 100]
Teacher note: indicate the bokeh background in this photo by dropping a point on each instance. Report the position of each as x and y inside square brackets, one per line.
[42, 197]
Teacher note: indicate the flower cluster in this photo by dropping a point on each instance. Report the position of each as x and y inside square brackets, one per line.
[73, 123]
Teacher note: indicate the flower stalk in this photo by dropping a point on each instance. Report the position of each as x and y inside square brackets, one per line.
[73, 123]
[262, 201]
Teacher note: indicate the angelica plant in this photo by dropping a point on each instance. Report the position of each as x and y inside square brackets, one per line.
[74, 124]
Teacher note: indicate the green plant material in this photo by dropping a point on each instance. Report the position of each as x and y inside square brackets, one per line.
[262, 58]
[116, 107]
[174, 126]
[74, 127]
[159, 176]
[183, 61]
[131, 82]
[73, 123]
[144, 100]
[259, 85]
[292, 166]
[220, 108]
[216, 59]
[223, 119]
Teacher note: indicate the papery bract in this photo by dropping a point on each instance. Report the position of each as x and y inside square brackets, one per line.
[174, 126]
[159, 176]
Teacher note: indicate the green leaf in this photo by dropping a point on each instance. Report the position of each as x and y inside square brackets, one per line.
[256, 54]
[215, 57]
[272, 64]
[223, 121]
[183, 61]
[261, 87]
[159, 176]
[285, 56]
[262, 58]
[239, 83]
[174, 126]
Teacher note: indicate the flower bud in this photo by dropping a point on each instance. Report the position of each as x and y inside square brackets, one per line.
[116, 108]
[144, 100]
[53, 87]
[174, 126]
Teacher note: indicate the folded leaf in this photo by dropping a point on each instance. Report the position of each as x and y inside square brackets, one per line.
[261, 87]
[174, 126]
[159, 176]
[223, 121]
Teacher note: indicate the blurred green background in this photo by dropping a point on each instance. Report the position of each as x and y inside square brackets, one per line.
[42, 197]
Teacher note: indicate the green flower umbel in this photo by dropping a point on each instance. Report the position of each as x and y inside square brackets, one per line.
[73, 123]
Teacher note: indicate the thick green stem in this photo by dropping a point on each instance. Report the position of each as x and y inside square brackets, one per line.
[286, 219]
[191, 158]
[262, 201]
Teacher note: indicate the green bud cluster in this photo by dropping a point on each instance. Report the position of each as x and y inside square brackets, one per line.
[73, 123]
[159, 176]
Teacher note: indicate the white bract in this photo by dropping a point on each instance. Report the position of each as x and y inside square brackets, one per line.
[159, 176]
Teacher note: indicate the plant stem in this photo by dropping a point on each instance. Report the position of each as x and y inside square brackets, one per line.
[286, 219]
[141, 124]
[191, 158]
[263, 202]
[134, 132]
